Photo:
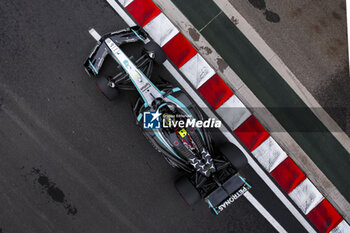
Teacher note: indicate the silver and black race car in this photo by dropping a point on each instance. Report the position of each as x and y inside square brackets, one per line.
[167, 117]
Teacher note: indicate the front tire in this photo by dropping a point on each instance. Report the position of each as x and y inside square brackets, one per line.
[187, 191]
[155, 52]
[234, 155]
[109, 92]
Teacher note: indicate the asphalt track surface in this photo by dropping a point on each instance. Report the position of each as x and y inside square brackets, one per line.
[71, 161]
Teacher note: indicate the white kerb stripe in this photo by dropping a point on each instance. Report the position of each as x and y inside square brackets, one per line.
[343, 227]
[197, 70]
[161, 29]
[264, 212]
[269, 154]
[125, 3]
[95, 34]
[225, 131]
[121, 13]
[306, 196]
[227, 134]
[233, 112]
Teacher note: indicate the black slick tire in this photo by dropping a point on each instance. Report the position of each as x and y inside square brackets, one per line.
[187, 191]
[234, 155]
[156, 50]
[109, 92]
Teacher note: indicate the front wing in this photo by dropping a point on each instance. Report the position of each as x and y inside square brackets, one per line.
[228, 193]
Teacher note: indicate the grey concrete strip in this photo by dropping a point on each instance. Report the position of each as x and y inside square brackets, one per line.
[284, 71]
[317, 49]
[261, 113]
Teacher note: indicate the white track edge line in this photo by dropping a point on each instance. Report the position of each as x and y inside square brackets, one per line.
[337, 200]
[264, 212]
[225, 131]
[129, 21]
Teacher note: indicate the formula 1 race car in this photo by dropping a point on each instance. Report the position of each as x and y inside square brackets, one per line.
[210, 173]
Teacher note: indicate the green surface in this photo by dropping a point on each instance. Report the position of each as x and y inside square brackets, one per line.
[199, 18]
[272, 90]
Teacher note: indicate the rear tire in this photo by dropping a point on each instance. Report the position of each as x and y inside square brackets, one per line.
[154, 48]
[234, 155]
[109, 92]
[187, 191]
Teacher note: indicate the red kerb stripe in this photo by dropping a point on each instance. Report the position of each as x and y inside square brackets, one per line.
[288, 175]
[179, 50]
[215, 91]
[251, 133]
[324, 216]
[143, 11]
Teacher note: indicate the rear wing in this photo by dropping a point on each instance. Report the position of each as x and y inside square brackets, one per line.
[96, 58]
[228, 193]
